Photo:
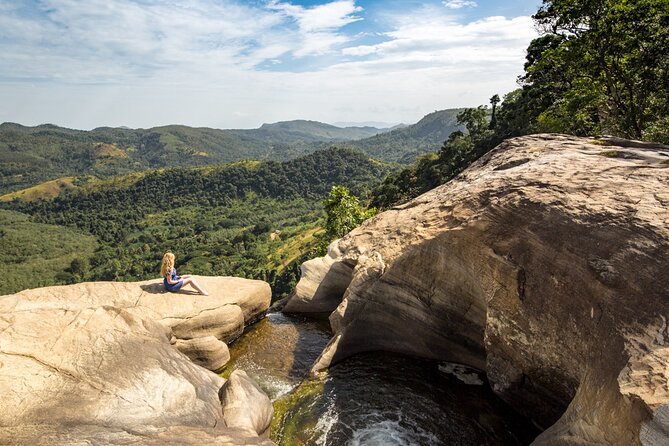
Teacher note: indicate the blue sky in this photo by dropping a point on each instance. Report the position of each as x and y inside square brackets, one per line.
[238, 64]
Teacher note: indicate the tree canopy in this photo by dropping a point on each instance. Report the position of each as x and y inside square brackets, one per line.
[343, 213]
[601, 66]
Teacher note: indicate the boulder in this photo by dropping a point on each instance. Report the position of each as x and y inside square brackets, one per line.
[207, 352]
[232, 303]
[225, 323]
[543, 264]
[149, 298]
[245, 405]
[93, 363]
[324, 281]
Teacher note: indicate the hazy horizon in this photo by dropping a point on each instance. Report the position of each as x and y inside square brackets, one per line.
[238, 64]
[378, 125]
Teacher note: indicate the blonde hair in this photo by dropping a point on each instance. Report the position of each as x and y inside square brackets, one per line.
[167, 265]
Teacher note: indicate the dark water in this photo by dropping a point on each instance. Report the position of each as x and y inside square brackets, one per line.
[370, 399]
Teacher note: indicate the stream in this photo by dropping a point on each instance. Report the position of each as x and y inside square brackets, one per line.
[369, 399]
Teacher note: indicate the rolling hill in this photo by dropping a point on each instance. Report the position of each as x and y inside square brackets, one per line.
[291, 132]
[406, 143]
[33, 155]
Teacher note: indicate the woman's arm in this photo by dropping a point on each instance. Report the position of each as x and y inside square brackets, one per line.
[170, 281]
[172, 278]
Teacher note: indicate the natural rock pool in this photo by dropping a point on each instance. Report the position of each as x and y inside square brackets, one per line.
[369, 399]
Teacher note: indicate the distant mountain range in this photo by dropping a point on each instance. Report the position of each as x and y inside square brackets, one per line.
[33, 155]
[290, 132]
[405, 143]
[377, 124]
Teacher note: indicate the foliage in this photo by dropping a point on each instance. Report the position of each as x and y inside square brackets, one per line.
[494, 100]
[217, 220]
[35, 254]
[601, 66]
[343, 213]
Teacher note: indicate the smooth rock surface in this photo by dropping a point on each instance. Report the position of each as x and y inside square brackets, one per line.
[87, 435]
[325, 280]
[544, 264]
[93, 363]
[225, 323]
[207, 352]
[246, 405]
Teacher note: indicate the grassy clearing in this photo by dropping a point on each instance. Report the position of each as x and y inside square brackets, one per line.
[46, 190]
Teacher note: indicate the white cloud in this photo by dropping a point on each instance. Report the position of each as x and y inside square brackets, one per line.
[318, 25]
[428, 38]
[121, 41]
[329, 16]
[457, 4]
[120, 62]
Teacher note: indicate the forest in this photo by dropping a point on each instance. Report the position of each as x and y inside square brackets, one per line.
[250, 219]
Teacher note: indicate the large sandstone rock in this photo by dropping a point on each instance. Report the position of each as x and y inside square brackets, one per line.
[87, 435]
[208, 352]
[232, 304]
[324, 281]
[225, 323]
[544, 264]
[94, 363]
[246, 405]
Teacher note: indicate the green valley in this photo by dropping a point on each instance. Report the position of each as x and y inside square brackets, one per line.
[254, 219]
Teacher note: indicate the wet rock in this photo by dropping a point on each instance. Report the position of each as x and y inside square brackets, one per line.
[85, 435]
[543, 264]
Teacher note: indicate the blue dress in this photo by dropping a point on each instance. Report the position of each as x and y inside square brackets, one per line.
[173, 288]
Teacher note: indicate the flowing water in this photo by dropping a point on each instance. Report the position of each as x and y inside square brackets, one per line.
[277, 352]
[369, 399]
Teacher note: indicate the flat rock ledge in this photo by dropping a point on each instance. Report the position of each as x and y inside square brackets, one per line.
[120, 363]
[545, 264]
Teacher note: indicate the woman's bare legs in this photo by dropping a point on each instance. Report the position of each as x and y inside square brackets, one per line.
[190, 281]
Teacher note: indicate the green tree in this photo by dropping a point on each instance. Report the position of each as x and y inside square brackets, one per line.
[79, 267]
[494, 100]
[343, 214]
[602, 65]
[462, 148]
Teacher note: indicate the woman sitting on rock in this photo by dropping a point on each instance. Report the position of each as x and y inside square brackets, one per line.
[172, 282]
